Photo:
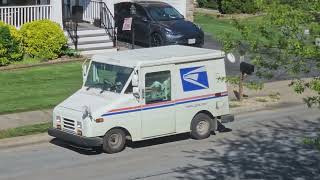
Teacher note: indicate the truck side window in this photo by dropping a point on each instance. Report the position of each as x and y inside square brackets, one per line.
[158, 87]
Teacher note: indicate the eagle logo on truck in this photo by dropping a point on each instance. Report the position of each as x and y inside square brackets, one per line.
[194, 78]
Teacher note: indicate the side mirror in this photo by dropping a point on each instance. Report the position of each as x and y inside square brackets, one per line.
[135, 79]
[135, 92]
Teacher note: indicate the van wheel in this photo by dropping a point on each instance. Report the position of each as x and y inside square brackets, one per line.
[201, 126]
[156, 40]
[114, 141]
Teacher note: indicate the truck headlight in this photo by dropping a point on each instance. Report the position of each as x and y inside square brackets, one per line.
[58, 119]
[79, 125]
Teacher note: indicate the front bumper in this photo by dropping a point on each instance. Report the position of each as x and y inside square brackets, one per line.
[227, 118]
[199, 41]
[75, 139]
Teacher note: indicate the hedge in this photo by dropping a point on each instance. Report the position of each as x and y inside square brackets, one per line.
[231, 6]
[10, 45]
[43, 39]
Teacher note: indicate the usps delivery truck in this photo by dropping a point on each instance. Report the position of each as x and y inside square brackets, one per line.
[143, 94]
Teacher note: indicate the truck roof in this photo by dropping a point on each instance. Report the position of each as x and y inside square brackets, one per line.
[158, 56]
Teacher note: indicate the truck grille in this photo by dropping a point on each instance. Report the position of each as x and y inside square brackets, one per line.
[68, 124]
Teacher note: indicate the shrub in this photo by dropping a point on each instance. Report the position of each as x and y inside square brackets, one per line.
[10, 47]
[202, 3]
[211, 4]
[239, 6]
[230, 6]
[43, 39]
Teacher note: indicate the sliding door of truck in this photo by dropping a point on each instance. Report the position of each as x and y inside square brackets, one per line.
[158, 112]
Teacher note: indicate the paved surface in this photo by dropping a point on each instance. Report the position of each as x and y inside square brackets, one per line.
[263, 145]
[287, 98]
[24, 118]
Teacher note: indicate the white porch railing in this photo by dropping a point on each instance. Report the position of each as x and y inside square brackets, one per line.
[91, 10]
[19, 15]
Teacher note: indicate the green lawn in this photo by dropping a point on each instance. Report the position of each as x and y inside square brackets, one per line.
[25, 130]
[38, 87]
[218, 26]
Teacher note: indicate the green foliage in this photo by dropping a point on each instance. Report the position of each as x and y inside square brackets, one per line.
[280, 42]
[234, 80]
[44, 39]
[211, 4]
[313, 141]
[25, 130]
[202, 3]
[10, 48]
[70, 52]
[240, 6]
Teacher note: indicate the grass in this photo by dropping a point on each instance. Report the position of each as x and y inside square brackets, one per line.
[27, 61]
[261, 99]
[217, 27]
[38, 87]
[25, 130]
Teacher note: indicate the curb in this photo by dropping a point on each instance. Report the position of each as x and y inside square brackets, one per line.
[24, 140]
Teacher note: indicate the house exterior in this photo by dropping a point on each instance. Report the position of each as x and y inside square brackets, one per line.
[88, 40]
[18, 12]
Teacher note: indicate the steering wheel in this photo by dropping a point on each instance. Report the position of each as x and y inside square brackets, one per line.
[105, 82]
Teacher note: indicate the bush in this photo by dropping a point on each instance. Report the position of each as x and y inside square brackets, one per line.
[211, 4]
[202, 3]
[10, 47]
[239, 6]
[43, 39]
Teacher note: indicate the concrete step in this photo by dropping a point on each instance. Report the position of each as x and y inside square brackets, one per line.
[91, 40]
[84, 47]
[89, 33]
[100, 51]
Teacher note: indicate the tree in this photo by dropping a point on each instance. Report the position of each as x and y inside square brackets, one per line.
[287, 40]
[284, 40]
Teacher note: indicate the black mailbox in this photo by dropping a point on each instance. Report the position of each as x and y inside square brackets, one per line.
[246, 68]
[77, 13]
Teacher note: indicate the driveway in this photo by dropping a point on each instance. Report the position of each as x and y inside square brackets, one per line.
[262, 145]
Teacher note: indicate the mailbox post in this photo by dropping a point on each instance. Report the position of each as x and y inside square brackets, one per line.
[133, 12]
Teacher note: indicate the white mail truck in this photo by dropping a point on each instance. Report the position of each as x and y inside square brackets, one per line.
[143, 94]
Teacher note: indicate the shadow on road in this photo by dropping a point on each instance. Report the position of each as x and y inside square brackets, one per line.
[80, 150]
[130, 144]
[271, 151]
[158, 141]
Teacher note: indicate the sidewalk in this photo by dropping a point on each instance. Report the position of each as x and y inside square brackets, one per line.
[287, 98]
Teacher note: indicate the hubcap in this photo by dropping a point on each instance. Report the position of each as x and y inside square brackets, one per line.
[115, 140]
[203, 127]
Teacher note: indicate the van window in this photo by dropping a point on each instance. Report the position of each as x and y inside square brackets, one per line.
[107, 77]
[158, 87]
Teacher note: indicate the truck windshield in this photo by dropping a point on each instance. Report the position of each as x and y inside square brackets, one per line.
[107, 77]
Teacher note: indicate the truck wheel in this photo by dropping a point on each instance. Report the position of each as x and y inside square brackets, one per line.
[201, 126]
[114, 141]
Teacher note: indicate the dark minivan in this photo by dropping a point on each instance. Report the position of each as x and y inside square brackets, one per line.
[157, 24]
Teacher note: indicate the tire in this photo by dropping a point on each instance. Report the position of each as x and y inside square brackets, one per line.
[114, 141]
[201, 126]
[156, 40]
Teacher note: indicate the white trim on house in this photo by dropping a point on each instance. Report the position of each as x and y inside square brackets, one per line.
[19, 15]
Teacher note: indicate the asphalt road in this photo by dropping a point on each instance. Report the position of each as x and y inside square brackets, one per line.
[263, 145]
